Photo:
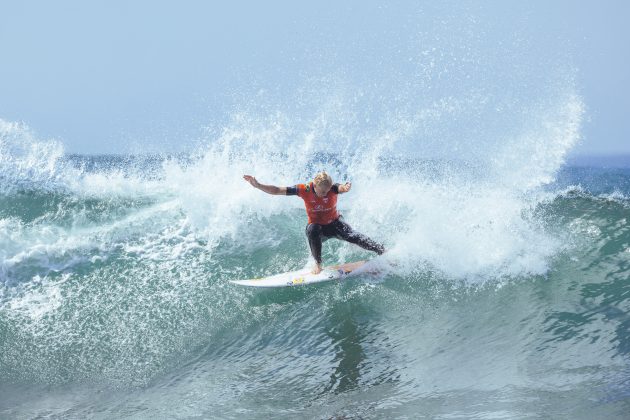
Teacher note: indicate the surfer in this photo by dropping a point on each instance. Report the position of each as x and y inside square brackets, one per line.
[320, 200]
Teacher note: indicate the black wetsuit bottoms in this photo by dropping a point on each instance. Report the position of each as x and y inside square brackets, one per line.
[341, 230]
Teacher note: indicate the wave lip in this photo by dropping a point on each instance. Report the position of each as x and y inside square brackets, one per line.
[25, 160]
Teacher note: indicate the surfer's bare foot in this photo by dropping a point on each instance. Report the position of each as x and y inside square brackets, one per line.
[317, 269]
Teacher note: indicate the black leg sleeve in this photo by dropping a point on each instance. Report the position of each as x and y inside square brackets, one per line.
[314, 235]
[345, 232]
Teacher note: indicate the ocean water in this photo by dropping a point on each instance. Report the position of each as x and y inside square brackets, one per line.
[509, 295]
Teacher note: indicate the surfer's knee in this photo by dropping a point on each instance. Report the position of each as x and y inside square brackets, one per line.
[313, 229]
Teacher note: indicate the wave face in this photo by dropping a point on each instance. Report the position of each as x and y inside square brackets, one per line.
[510, 291]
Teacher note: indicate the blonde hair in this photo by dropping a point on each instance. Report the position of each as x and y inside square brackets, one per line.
[322, 178]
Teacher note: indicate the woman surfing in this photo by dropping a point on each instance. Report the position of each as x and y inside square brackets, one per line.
[320, 201]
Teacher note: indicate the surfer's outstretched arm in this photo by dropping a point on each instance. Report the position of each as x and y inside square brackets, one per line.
[269, 189]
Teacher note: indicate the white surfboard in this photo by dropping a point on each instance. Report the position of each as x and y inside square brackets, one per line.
[304, 276]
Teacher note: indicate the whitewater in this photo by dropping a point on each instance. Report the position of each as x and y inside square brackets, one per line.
[508, 297]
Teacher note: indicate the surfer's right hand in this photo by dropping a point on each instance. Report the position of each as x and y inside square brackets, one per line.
[251, 180]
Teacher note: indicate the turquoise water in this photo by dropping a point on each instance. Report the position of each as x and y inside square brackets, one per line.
[505, 302]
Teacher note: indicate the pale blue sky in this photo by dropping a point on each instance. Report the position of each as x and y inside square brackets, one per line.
[121, 76]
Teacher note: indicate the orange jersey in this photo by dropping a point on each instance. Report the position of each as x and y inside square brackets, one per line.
[320, 210]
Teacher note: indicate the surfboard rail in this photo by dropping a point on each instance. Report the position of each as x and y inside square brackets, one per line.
[303, 277]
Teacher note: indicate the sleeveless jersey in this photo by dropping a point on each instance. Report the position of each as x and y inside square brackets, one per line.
[320, 210]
